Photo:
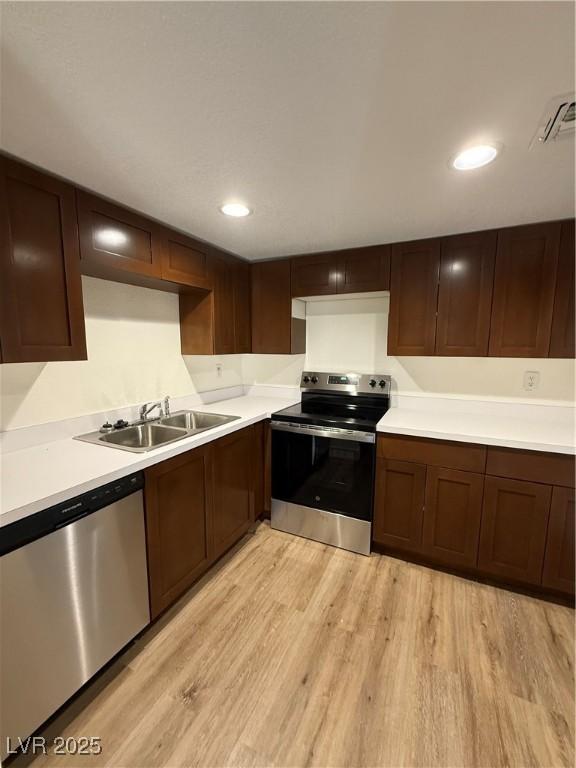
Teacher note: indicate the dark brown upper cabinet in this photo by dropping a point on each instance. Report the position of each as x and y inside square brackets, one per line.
[465, 294]
[223, 266]
[524, 283]
[217, 322]
[242, 307]
[364, 269]
[41, 312]
[116, 240]
[185, 260]
[413, 298]
[563, 318]
[274, 331]
[354, 270]
[315, 275]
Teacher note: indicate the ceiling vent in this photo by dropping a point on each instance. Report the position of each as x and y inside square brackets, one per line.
[558, 120]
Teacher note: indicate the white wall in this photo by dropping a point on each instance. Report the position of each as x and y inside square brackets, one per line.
[133, 339]
[351, 334]
[134, 356]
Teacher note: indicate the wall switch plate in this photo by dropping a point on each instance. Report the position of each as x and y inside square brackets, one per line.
[531, 380]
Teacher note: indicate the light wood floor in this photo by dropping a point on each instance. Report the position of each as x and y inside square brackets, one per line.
[293, 654]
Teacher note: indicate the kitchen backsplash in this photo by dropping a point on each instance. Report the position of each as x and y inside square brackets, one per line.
[134, 356]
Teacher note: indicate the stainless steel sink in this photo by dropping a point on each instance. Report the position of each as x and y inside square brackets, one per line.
[143, 437]
[196, 420]
[147, 435]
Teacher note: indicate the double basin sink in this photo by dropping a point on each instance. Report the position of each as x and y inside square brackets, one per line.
[147, 435]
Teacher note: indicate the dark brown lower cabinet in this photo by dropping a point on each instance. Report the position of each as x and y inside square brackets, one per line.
[512, 519]
[198, 505]
[514, 523]
[452, 516]
[178, 503]
[234, 475]
[399, 504]
[558, 570]
[267, 469]
[259, 448]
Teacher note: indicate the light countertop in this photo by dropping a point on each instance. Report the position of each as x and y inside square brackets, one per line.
[542, 432]
[38, 477]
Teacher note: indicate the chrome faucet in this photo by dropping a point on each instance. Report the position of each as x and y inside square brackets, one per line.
[148, 407]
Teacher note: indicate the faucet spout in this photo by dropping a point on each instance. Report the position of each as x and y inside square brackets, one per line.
[147, 408]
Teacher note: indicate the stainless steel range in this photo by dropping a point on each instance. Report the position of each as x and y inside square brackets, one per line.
[324, 457]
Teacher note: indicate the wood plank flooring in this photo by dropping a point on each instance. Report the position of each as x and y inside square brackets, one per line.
[292, 653]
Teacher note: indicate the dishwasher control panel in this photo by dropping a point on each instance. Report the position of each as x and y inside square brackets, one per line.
[15, 535]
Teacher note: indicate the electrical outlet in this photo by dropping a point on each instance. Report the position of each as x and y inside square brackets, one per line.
[219, 370]
[531, 380]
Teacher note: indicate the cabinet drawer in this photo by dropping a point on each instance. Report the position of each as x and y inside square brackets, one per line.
[437, 453]
[537, 467]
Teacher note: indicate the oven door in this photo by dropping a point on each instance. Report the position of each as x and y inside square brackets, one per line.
[324, 468]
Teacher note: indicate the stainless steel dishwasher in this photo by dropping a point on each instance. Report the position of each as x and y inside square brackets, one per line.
[73, 592]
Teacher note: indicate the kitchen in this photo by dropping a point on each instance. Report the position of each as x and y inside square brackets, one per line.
[287, 385]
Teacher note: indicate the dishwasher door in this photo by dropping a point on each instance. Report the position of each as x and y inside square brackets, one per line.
[69, 601]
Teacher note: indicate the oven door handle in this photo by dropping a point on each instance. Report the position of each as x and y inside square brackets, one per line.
[334, 432]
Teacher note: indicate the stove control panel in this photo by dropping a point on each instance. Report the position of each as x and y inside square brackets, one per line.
[361, 383]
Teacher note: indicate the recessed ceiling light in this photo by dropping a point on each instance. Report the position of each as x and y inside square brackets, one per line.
[238, 210]
[475, 157]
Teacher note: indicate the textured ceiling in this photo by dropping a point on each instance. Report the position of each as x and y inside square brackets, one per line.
[334, 121]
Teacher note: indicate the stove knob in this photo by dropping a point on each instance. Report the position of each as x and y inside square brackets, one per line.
[306, 379]
[314, 379]
[372, 382]
[381, 383]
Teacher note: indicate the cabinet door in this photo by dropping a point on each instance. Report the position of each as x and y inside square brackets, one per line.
[233, 489]
[559, 558]
[41, 311]
[465, 294]
[242, 301]
[185, 260]
[399, 504]
[267, 469]
[114, 239]
[513, 532]
[271, 308]
[563, 318]
[258, 453]
[524, 282]
[223, 304]
[413, 298]
[316, 275]
[365, 269]
[178, 504]
[452, 516]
